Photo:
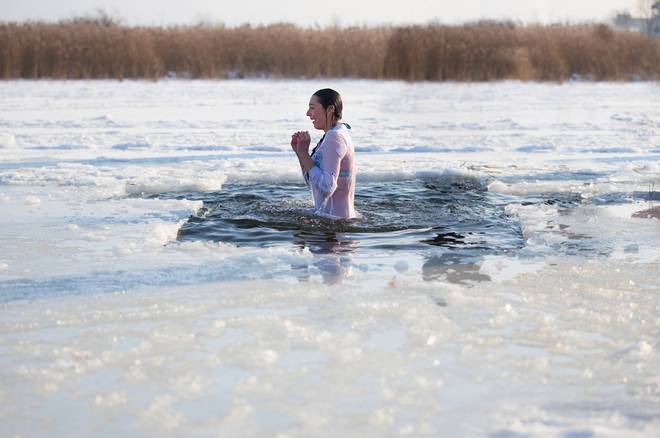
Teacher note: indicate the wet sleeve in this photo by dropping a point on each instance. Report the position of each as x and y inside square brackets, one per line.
[325, 177]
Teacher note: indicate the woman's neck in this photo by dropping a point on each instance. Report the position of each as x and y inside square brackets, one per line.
[331, 126]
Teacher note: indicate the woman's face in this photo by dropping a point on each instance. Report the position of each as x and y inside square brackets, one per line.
[317, 113]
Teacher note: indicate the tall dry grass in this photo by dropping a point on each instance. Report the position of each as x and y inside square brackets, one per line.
[490, 51]
[477, 52]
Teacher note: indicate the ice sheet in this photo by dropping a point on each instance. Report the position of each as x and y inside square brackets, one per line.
[110, 325]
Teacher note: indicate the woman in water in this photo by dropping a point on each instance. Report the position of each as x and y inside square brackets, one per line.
[330, 169]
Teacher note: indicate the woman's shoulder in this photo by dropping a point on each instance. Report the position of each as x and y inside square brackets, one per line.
[338, 140]
[341, 133]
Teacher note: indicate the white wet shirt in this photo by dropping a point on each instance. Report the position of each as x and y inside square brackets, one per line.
[332, 179]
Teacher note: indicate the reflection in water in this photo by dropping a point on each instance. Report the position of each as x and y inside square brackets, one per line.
[333, 254]
[455, 268]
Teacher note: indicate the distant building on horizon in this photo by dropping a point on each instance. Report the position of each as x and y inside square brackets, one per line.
[650, 26]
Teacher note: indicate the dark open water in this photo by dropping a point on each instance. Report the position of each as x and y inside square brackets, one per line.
[402, 215]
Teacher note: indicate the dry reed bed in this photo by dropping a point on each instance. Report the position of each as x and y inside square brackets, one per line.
[478, 52]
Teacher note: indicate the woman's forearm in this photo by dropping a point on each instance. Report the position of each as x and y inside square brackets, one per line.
[306, 162]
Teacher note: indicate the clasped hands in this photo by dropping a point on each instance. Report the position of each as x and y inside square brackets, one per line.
[300, 143]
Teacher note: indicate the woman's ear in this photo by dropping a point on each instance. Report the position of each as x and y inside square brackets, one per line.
[331, 110]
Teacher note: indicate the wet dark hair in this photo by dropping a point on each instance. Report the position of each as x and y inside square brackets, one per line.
[327, 97]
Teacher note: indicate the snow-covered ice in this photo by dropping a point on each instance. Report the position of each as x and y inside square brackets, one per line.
[111, 325]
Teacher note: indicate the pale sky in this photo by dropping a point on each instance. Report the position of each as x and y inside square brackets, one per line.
[343, 12]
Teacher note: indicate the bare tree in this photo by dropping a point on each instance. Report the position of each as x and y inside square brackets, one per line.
[99, 17]
[644, 9]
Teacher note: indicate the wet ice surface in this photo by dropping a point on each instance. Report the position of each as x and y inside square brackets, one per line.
[157, 275]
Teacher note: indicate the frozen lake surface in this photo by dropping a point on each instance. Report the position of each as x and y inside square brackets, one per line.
[157, 274]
